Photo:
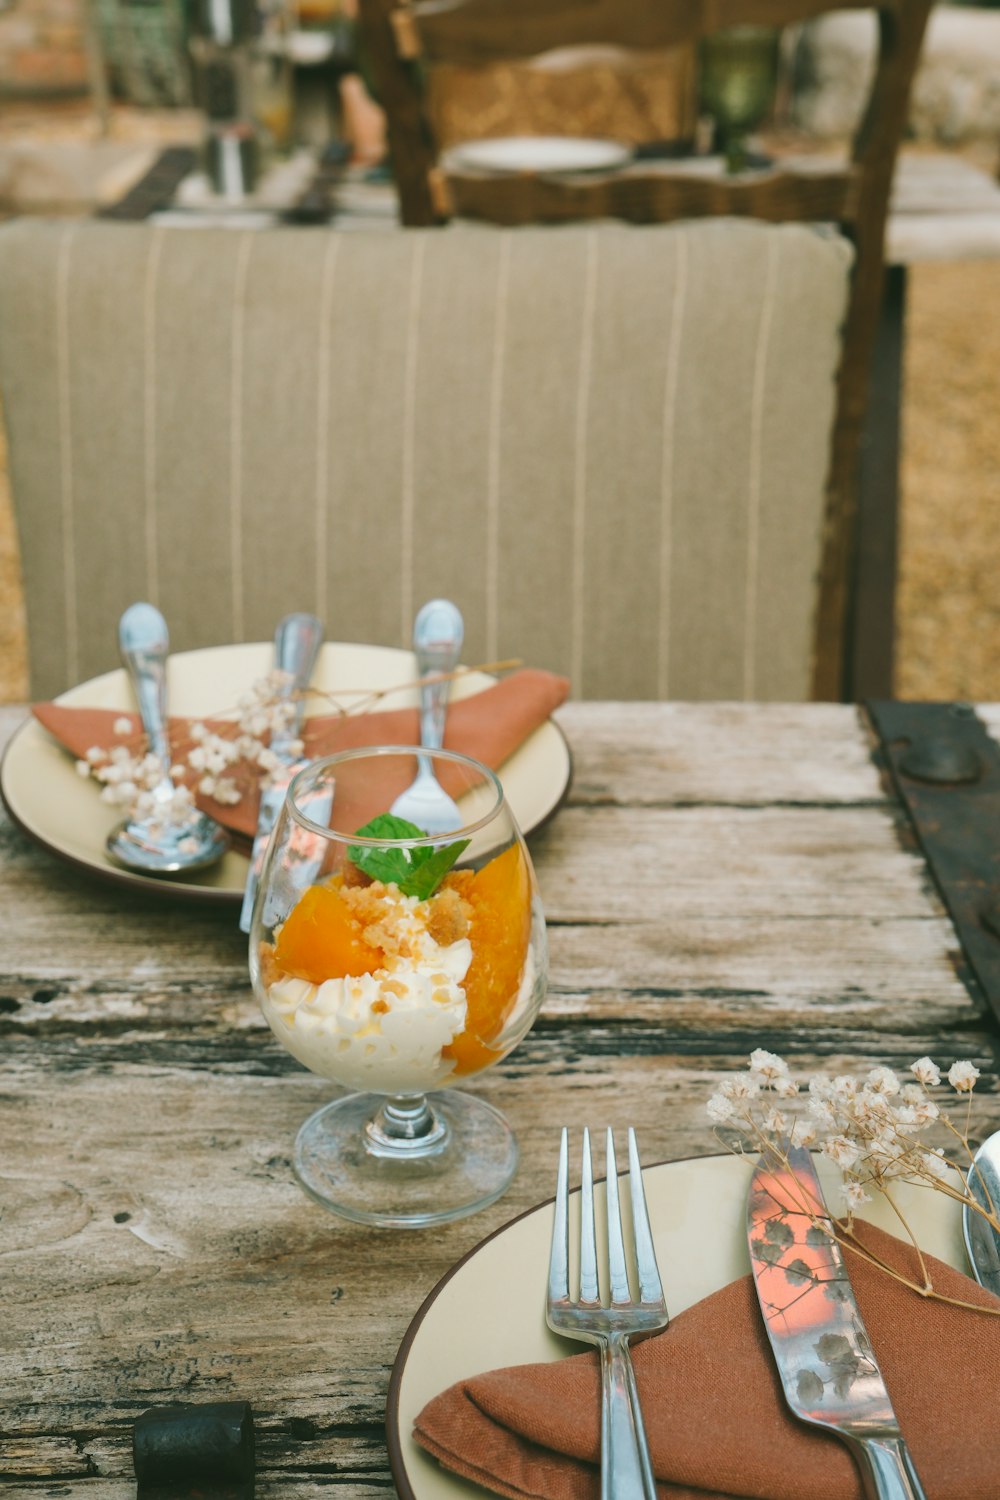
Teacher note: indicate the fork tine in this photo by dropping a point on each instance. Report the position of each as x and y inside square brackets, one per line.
[650, 1286]
[559, 1254]
[590, 1290]
[617, 1270]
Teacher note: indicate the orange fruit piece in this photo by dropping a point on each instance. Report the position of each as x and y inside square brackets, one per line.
[499, 931]
[322, 939]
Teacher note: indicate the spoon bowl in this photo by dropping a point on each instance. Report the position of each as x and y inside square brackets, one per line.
[153, 846]
[167, 851]
[981, 1240]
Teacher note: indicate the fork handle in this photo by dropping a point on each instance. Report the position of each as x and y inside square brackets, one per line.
[626, 1470]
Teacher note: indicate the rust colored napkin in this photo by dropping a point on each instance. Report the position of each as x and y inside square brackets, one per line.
[488, 726]
[715, 1415]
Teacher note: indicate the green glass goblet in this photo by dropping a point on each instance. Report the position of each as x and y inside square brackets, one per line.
[738, 80]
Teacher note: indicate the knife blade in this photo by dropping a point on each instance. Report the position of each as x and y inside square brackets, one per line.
[296, 645]
[824, 1356]
[981, 1240]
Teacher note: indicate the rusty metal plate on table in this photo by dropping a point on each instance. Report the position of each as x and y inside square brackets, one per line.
[946, 769]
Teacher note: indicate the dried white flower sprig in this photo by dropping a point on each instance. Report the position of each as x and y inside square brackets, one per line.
[128, 773]
[872, 1128]
[223, 766]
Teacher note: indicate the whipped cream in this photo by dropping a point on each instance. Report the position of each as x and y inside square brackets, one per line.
[382, 1031]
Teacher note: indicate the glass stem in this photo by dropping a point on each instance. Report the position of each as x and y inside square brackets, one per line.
[406, 1127]
[736, 154]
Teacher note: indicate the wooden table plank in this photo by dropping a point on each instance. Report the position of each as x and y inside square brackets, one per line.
[722, 877]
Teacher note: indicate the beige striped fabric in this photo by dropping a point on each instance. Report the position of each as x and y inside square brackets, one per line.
[608, 444]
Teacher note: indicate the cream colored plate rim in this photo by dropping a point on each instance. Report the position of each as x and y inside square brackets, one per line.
[63, 811]
[538, 153]
[487, 1312]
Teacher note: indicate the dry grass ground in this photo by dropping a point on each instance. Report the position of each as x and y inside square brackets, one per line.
[949, 596]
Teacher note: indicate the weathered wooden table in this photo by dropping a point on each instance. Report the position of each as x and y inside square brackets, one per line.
[721, 877]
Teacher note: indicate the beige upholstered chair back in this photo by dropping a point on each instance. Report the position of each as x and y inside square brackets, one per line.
[608, 444]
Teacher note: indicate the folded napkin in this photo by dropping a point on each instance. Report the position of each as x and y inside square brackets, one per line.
[489, 726]
[715, 1414]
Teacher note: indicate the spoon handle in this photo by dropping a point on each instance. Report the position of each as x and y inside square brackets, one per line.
[144, 643]
[438, 632]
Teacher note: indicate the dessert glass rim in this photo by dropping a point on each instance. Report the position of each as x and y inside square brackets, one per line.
[368, 751]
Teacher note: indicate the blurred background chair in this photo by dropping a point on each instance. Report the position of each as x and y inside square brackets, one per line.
[608, 444]
[409, 41]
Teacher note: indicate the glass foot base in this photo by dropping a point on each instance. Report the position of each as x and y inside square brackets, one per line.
[465, 1162]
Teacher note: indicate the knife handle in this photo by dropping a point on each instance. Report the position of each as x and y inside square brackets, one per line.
[887, 1471]
[296, 645]
[626, 1470]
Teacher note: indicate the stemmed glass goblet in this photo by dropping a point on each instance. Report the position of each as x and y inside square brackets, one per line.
[738, 76]
[396, 963]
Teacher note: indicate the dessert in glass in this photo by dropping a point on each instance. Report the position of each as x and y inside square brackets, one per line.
[397, 964]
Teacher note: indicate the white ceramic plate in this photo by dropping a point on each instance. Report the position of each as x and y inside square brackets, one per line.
[63, 811]
[488, 1311]
[538, 153]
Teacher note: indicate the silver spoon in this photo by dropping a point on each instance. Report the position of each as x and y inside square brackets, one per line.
[147, 845]
[981, 1240]
[437, 643]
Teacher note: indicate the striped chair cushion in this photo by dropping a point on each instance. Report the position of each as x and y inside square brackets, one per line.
[608, 444]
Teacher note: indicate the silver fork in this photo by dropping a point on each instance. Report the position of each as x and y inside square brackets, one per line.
[626, 1470]
[437, 644]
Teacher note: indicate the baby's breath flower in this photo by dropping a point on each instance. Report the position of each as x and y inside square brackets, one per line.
[720, 1109]
[822, 1113]
[221, 788]
[873, 1106]
[962, 1076]
[918, 1115]
[868, 1128]
[842, 1151]
[936, 1164]
[844, 1087]
[882, 1081]
[768, 1066]
[739, 1088]
[82, 768]
[123, 725]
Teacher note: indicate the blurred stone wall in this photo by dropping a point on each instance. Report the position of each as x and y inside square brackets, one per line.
[956, 94]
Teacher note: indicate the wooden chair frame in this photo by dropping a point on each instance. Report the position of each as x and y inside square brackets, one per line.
[402, 35]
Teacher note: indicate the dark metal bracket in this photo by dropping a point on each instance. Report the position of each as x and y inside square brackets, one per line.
[945, 768]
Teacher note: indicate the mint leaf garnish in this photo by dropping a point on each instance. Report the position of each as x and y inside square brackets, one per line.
[428, 875]
[417, 872]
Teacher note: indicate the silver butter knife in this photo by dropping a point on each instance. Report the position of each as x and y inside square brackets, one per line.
[296, 646]
[828, 1369]
[981, 1239]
